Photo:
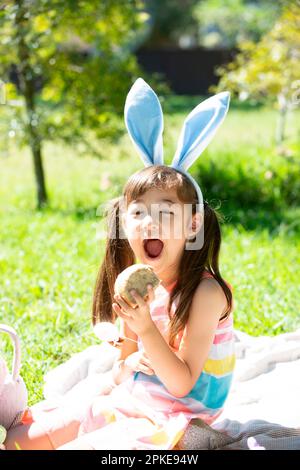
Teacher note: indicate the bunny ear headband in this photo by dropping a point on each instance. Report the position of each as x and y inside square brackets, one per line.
[144, 122]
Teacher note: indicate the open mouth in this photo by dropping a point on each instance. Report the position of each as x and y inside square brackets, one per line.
[153, 247]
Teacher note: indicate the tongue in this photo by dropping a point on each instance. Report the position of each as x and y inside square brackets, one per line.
[154, 247]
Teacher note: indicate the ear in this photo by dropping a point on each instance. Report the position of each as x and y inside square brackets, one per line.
[195, 225]
[144, 121]
[199, 128]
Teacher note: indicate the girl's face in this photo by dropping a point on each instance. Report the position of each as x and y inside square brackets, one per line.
[160, 215]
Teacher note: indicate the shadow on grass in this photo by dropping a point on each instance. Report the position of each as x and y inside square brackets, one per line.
[257, 218]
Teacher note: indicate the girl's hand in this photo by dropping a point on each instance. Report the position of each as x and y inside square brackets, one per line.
[137, 318]
[139, 362]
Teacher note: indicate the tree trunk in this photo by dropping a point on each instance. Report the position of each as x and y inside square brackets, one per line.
[28, 90]
[36, 150]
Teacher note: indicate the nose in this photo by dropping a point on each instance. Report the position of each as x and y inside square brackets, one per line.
[150, 227]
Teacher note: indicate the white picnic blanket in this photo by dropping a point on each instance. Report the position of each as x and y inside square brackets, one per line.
[263, 407]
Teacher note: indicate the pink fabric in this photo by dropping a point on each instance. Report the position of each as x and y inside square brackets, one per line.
[221, 338]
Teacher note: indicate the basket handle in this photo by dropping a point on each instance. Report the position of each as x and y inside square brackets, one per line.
[17, 349]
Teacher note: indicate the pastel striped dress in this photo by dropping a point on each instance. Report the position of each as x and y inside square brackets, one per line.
[208, 395]
[140, 413]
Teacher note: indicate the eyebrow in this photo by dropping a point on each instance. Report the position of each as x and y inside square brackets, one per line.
[161, 200]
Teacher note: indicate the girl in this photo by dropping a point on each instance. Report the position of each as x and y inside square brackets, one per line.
[181, 361]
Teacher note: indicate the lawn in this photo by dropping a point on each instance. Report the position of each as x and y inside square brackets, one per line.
[49, 260]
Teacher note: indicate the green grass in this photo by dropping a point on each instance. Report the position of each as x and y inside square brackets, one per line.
[49, 259]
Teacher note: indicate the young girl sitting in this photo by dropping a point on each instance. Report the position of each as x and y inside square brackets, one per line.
[181, 361]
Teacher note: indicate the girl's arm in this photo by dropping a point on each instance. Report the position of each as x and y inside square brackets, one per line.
[180, 370]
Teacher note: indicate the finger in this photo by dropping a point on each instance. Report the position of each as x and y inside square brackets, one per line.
[146, 370]
[115, 344]
[139, 300]
[120, 312]
[150, 291]
[145, 361]
[116, 308]
[144, 355]
[146, 366]
[124, 305]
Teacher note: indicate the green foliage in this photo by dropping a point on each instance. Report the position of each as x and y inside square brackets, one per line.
[225, 24]
[78, 60]
[74, 66]
[271, 67]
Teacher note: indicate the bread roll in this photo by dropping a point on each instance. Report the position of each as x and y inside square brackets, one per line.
[135, 277]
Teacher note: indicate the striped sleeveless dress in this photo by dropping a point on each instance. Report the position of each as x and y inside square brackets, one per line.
[140, 413]
[208, 395]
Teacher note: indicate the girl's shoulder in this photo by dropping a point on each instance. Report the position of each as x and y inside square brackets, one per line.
[161, 294]
[228, 321]
[207, 274]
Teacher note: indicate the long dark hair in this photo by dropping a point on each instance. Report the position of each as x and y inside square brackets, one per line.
[119, 254]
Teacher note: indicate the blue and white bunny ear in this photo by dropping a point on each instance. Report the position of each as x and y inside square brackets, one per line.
[199, 128]
[144, 121]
